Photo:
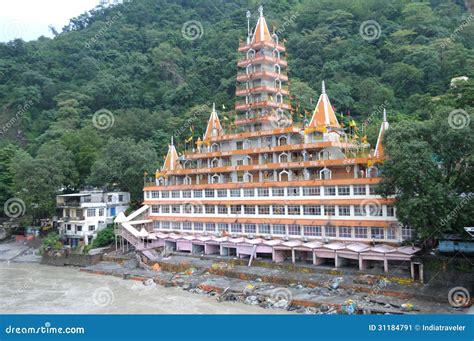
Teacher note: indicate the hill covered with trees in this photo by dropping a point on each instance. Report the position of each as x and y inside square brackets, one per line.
[135, 62]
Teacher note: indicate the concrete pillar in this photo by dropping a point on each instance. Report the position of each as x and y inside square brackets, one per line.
[363, 264]
[339, 261]
[293, 256]
[385, 264]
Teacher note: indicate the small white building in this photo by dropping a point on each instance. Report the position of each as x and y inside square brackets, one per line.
[82, 215]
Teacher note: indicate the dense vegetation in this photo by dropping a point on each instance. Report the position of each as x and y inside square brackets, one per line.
[133, 61]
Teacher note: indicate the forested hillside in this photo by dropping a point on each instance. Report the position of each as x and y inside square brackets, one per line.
[134, 61]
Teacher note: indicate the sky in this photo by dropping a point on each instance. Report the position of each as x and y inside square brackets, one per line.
[29, 19]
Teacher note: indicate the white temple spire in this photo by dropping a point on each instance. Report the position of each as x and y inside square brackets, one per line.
[260, 10]
[323, 88]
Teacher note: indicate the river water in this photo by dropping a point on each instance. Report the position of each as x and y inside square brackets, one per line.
[31, 288]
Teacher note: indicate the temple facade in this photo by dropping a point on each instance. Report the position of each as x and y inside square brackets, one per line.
[268, 187]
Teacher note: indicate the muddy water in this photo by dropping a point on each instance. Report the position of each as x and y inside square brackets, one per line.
[41, 289]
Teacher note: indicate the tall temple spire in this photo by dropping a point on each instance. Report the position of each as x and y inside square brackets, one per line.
[323, 115]
[379, 151]
[261, 32]
[214, 127]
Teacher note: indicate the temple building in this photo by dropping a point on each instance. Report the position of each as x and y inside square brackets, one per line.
[271, 188]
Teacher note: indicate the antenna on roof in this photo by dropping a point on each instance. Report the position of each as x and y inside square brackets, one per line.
[323, 88]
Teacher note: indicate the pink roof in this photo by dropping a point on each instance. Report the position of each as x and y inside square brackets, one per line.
[219, 239]
[237, 240]
[382, 248]
[358, 247]
[254, 241]
[272, 242]
[312, 245]
[334, 246]
[292, 243]
[203, 238]
[409, 250]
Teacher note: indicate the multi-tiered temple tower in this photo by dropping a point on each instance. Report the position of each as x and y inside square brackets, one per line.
[269, 188]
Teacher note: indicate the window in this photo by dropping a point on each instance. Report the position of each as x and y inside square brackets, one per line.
[406, 233]
[344, 210]
[359, 190]
[209, 193]
[345, 232]
[329, 210]
[239, 145]
[330, 190]
[377, 232]
[235, 209]
[175, 194]
[279, 209]
[312, 231]
[240, 162]
[222, 227]
[91, 212]
[222, 193]
[88, 199]
[235, 193]
[101, 212]
[249, 192]
[263, 209]
[198, 209]
[156, 224]
[235, 228]
[198, 226]
[391, 233]
[294, 210]
[120, 198]
[330, 231]
[278, 192]
[390, 211]
[79, 228]
[344, 190]
[165, 208]
[279, 229]
[249, 209]
[311, 191]
[210, 209]
[264, 229]
[91, 227]
[188, 208]
[250, 228]
[175, 209]
[263, 192]
[312, 210]
[165, 225]
[155, 194]
[187, 226]
[294, 230]
[293, 191]
[210, 227]
[222, 209]
[359, 210]
[360, 232]
[165, 194]
[176, 225]
[197, 193]
[372, 189]
[155, 208]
